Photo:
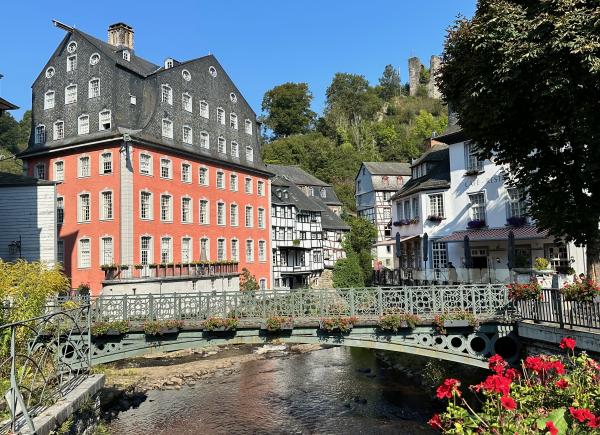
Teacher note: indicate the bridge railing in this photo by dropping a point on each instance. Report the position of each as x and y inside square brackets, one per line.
[425, 301]
[41, 360]
[554, 308]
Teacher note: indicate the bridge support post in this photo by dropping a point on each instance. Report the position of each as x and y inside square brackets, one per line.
[352, 308]
[124, 307]
[151, 306]
[380, 300]
[558, 307]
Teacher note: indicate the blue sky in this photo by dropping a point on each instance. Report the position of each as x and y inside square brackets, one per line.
[260, 43]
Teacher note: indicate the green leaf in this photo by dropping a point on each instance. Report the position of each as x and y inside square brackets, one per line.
[558, 418]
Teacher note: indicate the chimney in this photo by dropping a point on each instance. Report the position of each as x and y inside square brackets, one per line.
[120, 35]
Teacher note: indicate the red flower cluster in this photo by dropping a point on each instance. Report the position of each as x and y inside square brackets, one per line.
[512, 374]
[495, 384]
[497, 364]
[435, 422]
[562, 383]
[567, 343]
[544, 364]
[581, 414]
[508, 403]
[448, 388]
[551, 428]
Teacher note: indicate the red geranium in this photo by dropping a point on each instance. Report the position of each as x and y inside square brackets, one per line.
[567, 343]
[497, 364]
[495, 384]
[512, 374]
[508, 403]
[594, 422]
[448, 388]
[435, 422]
[562, 383]
[550, 426]
[581, 414]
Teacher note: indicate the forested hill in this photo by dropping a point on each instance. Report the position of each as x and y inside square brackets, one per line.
[14, 136]
[360, 123]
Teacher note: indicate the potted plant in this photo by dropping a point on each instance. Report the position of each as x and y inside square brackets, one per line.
[278, 323]
[541, 263]
[116, 328]
[584, 291]
[395, 322]
[337, 324]
[138, 266]
[516, 221]
[153, 266]
[162, 327]
[124, 267]
[476, 223]
[435, 218]
[296, 242]
[456, 319]
[83, 289]
[525, 292]
[218, 324]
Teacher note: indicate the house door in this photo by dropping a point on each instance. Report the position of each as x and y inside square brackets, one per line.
[479, 258]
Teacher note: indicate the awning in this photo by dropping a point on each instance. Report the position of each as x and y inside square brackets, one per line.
[388, 242]
[527, 232]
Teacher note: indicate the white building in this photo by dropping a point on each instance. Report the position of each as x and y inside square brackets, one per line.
[306, 234]
[375, 184]
[28, 219]
[454, 194]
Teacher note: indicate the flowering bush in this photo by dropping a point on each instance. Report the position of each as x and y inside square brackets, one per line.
[440, 319]
[394, 322]
[341, 324]
[276, 323]
[525, 292]
[548, 395]
[581, 291]
[228, 323]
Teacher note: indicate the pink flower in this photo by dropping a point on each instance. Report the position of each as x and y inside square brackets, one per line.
[551, 428]
[508, 403]
[435, 422]
[448, 388]
[562, 383]
[567, 343]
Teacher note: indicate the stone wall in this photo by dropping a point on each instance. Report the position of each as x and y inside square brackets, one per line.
[414, 73]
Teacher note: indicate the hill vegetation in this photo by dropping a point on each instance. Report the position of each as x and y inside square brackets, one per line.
[14, 136]
[360, 123]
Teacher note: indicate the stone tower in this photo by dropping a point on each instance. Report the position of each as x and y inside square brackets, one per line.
[434, 68]
[414, 74]
[414, 71]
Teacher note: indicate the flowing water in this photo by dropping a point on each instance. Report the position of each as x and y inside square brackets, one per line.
[329, 391]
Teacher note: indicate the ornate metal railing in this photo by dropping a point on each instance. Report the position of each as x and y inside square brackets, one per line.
[553, 308]
[177, 270]
[41, 360]
[369, 303]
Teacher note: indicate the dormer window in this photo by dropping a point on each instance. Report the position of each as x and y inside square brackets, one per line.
[220, 116]
[233, 122]
[249, 154]
[59, 130]
[104, 120]
[72, 63]
[167, 94]
[204, 109]
[40, 134]
[323, 192]
[248, 126]
[168, 63]
[94, 88]
[71, 94]
[167, 128]
[49, 100]
[126, 55]
[186, 102]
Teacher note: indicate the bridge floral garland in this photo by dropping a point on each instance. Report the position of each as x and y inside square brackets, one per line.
[581, 291]
[530, 291]
[549, 395]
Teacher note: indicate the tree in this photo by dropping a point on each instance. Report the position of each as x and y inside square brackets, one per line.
[524, 79]
[348, 273]
[287, 108]
[9, 133]
[248, 281]
[350, 98]
[359, 242]
[389, 83]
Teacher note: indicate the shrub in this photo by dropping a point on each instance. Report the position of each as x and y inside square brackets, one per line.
[276, 323]
[69, 305]
[581, 291]
[541, 263]
[394, 322]
[248, 282]
[549, 394]
[524, 292]
[341, 324]
[212, 323]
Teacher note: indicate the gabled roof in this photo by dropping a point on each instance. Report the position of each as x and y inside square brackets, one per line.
[438, 173]
[387, 168]
[295, 196]
[331, 221]
[453, 134]
[7, 105]
[296, 175]
[7, 180]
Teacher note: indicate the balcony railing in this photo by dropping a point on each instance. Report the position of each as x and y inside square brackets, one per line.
[177, 270]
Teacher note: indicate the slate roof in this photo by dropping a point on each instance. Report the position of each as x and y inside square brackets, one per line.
[527, 232]
[387, 168]
[331, 221]
[437, 177]
[453, 134]
[295, 197]
[8, 180]
[7, 105]
[300, 177]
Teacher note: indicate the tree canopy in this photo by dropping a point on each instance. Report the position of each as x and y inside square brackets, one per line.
[14, 136]
[287, 109]
[389, 83]
[524, 79]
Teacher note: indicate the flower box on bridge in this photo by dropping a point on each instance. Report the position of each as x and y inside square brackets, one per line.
[457, 323]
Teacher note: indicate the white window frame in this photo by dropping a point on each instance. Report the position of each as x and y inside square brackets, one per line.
[80, 167]
[80, 253]
[60, 210]
[439, 255]
[248, 127]
[150, 171]
[83, 215]
[249, 153]
[260, 188]
[190, 210]
[106, 163]
[233, 182]
[478, 204]
[166, 215]
[248, 185]
[204, 250]
[107, 211]
[220, 116]
[71, 63]
[234, 216]
[221, 213]
[167, 128]
[59, 175]
[83, 124]
[166, 94]
[221, 249]
[93, 91]
[169, 249]
[58, 130]
[186, 172]
[234, 252]
[515, 202]
[204, 109]
[168, 167]
[249, 250]
[472, 160]
[436, 205]
[204, 140]
[203, 172]
[103, 116]
[40, 171]
[186, 102]
[235, 149]
[71, 93]
[261, 218]
[149, 250]
[233, 121]
[103, 250]
[190, 249]
[221, 145]
[220, 180]
[262, 253]
[187, 135]
[49, 100]
[94, 59]
[149, 206]
[60, 251]
[40, 134]
[126, 55]
[204, 215]
[249, 216]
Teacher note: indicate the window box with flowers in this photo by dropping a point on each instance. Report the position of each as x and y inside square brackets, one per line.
[516, 221]
[337, 325]
[530, 291]
[395, 322]
[217, 324]
[435, 218]
[162, 327]
[584, 291]
[276, 324]
[476, 223]
[457, 319]
[473, 171]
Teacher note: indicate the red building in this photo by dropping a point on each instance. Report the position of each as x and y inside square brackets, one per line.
[159, 168]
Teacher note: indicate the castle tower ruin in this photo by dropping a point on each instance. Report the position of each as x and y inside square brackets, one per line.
[414, 77]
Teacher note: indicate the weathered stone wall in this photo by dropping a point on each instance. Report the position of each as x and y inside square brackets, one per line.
[414, 74]
[434, 68]
[414, 71]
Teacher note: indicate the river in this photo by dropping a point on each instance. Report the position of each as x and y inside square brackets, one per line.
[329, 391]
